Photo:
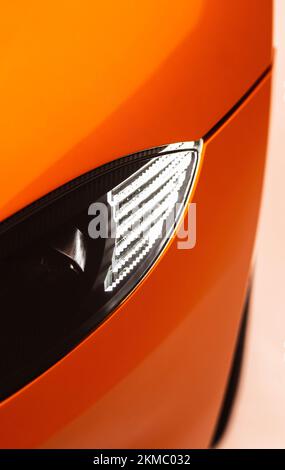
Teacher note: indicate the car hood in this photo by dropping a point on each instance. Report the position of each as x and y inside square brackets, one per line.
[82, 83]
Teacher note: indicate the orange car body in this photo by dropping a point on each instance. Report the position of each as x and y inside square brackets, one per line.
[84, 83]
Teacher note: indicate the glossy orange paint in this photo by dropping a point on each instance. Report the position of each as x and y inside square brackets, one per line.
[154, 373]
[83, 82]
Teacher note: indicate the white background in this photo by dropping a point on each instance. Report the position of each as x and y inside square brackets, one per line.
[258, 418]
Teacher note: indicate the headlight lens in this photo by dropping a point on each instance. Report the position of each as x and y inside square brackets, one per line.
[69, 259]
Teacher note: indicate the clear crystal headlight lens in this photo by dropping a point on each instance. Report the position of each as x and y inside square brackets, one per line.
[70, 258]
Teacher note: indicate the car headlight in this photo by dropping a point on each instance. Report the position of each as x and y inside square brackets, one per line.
[70, 258]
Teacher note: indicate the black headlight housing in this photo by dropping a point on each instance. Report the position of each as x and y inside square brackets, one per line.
[57, 283]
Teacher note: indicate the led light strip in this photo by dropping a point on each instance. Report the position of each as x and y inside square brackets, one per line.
[161, 211]
[142, 177]
[123, 242]
[179, 164]
[147, 204]
[142, 204]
